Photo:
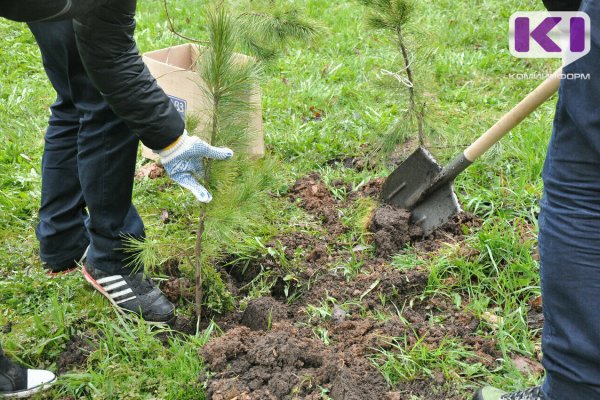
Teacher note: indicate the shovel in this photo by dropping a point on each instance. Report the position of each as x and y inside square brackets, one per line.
[422, 186]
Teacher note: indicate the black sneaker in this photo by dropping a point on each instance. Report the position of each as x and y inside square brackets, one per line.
[53, 270]
[132, 293]
[490, 393]
[17, 382]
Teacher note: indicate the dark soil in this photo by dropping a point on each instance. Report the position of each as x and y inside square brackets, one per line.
[393, 231]
[171, 268]
[76, 353]
[262, 313]
[368, 288]
[273, 351]
[289, 362]
[178, 288]
[312, 195]
[272, 357]
[535, 314]
[391, 227]
[286, 363]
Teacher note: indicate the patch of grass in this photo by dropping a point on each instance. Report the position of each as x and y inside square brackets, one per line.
[140, 366]
[406, 362]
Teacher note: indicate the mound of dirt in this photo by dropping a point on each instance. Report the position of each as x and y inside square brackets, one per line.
[262, 313]
[392, 230]
[286, 363]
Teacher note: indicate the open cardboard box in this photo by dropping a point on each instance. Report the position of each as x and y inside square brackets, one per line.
[175, 69]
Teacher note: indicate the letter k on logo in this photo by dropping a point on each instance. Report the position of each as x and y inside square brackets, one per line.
[563, 35]
[539, 34]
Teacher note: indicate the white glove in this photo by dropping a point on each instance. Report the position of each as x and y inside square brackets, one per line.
[184, 163]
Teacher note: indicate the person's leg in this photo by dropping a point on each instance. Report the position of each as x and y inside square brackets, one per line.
[106, 151]
[86, 142]
[106, 164]
[109, 53]
[569, 238]
[61, 231]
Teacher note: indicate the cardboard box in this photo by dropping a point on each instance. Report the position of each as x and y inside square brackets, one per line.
[175, 69]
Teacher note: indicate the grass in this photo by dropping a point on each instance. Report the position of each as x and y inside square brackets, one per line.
[464, 72]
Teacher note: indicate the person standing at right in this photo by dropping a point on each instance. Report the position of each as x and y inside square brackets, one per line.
[569, 237]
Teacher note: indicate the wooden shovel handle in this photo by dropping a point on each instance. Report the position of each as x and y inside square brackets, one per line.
[514, 116]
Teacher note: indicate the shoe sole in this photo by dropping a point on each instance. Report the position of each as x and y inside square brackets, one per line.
[120, 309]
[78, 264]
[29, 392]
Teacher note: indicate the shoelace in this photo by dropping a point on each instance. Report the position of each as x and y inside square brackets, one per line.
[534, 393]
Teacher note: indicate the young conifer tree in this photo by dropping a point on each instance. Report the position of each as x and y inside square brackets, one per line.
[230, 82]
[240, 186]
[393, 16]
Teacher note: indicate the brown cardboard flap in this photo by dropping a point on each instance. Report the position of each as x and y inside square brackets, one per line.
[176, 71]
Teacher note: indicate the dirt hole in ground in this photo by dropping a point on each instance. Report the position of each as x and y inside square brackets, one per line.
[76, 353]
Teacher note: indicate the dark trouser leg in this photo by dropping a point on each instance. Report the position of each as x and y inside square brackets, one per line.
[570, 233]
[61, 231]
[109, 53]
[102, 153]
[107, 155]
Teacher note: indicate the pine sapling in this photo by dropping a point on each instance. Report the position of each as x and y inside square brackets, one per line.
[393, 16]
[241, 186]
[231, 82]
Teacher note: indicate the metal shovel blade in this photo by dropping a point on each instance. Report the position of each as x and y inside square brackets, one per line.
[415, 174]
[436, 209]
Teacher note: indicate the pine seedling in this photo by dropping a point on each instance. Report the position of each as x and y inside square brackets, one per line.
[393, 16]
[240, 186]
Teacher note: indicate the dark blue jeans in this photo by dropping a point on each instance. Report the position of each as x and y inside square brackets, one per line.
[88, 164]
[569, 238]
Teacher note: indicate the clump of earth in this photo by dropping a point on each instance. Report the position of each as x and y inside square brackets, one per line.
[286, 363]
[392, 230]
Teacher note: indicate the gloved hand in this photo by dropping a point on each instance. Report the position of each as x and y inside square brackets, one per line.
[184, 163]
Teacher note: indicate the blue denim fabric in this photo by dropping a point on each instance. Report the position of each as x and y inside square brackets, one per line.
[89, 161]
[569, 239]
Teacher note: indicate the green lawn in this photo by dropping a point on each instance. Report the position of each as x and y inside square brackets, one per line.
[462, 67]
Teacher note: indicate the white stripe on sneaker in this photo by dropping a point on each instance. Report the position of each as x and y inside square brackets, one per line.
[109, 279]
[125, 300]
[121, 293]
[115, 285]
